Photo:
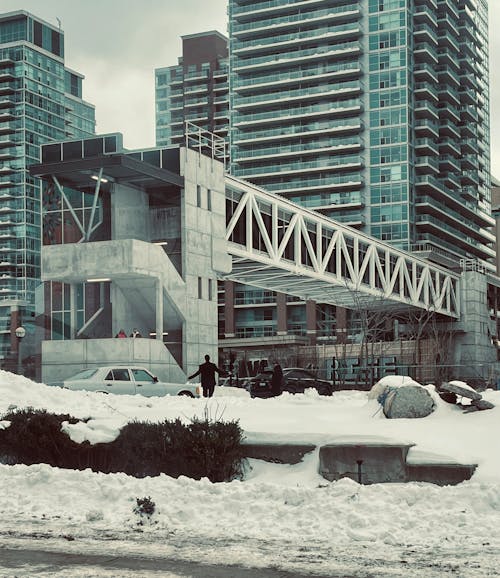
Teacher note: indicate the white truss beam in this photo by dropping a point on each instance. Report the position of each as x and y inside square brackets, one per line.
[279, 245]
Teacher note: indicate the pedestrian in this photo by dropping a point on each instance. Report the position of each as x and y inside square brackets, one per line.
[121, 334]
[277, 380]
[135, 333]
[207, 372]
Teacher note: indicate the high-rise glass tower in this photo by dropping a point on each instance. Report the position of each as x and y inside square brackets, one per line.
[194, 90]
[40, 100]
[374, 112]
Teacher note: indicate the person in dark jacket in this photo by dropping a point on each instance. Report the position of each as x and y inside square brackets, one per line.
[207, 372]
[277, 380]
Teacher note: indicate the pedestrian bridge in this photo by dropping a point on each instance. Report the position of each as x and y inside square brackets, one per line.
[278, 245]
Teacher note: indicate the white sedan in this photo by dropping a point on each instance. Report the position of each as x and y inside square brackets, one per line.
[127, 380]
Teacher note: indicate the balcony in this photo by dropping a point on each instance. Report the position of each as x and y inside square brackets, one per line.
[278, 23]
[6, 76]
[349, 88]
[426, 128]
[425, 71]
[425, 33]
[449, 112]
[469, 162]
[8, 153]
[426, 90]
[295, 114]
[425, 52]
[469, 130]
[448, 75]
[469, 145]
[470, 178]
[6, 116]
[469, 113]
[451, 180]
[331, 164]
[449, 146]
[425, 15]
[426, 146]
[317, 184]
[448, 40]
[450, 23]
[448, 128]
[290, 59]
[302, 149]
[281, 42]
[448, 57]
[425, 109]
[426, 165]
[449, 94]
[449, 163]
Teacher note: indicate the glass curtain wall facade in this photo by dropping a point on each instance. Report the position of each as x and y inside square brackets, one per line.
[40, 100]
[195, 90]
[374, 112]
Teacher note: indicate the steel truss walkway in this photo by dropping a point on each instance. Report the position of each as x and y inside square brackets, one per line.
[278, 245]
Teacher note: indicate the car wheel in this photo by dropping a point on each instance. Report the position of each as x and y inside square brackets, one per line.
[186, 393]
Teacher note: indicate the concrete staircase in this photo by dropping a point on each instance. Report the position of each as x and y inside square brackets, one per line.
[368, 460]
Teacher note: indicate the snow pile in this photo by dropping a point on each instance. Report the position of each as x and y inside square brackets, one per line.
[336, 525]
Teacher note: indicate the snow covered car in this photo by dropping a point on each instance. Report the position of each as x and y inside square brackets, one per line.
[127, 380]
[296, 379]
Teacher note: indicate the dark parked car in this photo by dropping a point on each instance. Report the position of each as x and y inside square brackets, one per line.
[297, 380]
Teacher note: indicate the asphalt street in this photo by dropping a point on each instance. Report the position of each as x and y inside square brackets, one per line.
[16, 563]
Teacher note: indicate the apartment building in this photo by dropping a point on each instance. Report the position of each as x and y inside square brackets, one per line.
[40, 101]
[376, 114]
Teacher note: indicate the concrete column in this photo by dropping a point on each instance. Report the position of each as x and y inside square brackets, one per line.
[15, 322]
[341, 324]
[281, 326]
[72, 309]
[311, 320]
[229, 328]
[159, 309]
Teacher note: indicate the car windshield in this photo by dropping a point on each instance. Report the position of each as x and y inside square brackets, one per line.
[85, 374]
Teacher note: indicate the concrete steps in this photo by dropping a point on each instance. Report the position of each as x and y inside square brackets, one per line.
[368, 460]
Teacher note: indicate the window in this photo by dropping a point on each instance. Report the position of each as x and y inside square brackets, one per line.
[209, 199]
[210, 284]
[200, 288]
[120, 374]
[142, 375]
[198, 195]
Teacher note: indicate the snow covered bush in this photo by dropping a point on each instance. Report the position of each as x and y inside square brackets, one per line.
[34, 436]
[202, 448]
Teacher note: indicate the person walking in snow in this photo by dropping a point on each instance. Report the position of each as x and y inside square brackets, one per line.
[207, 372]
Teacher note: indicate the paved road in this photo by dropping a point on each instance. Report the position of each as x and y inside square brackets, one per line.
[16, 563]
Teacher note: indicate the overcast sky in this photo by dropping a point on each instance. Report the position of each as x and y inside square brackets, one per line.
[117, 44]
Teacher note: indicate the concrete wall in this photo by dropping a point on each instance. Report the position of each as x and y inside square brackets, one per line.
[474, 350]
[204, 253]
[129, 213]
[61, 359]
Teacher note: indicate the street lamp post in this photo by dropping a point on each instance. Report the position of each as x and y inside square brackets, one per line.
[20, 333]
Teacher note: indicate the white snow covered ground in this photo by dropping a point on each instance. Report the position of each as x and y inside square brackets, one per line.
[279, 516]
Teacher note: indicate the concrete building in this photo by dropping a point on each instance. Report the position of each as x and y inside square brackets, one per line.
[40, 101]
[373, 113]
[195, 90]
[132, 239]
